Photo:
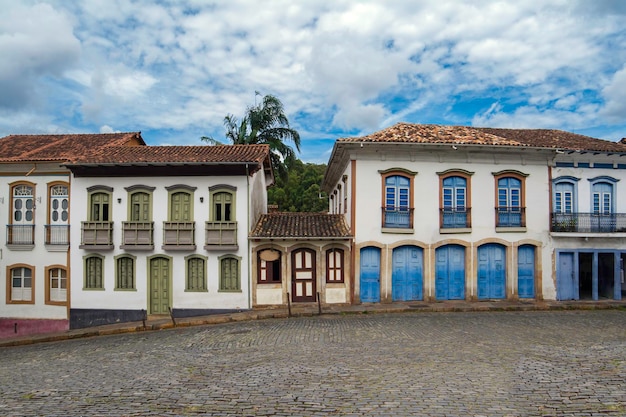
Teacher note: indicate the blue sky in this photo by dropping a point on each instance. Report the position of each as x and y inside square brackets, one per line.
[174, 69]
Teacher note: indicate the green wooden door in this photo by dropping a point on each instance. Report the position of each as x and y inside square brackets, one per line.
[140, 207]
[159, 285]
[180, 207]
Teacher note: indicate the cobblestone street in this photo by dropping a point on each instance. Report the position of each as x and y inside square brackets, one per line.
[563, 363]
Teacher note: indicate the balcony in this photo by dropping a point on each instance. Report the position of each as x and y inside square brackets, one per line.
[398, 218]
[96, 235]
[221, 236]
[137, 235]
[57, 237]
[455, 220]
[588, 223]
[21, 236]
[179, 235]
[510, 217]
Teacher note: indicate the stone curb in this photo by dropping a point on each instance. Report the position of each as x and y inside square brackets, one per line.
[164, 324]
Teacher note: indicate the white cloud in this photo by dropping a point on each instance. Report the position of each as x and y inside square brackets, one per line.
[35, 41]
[614, 94]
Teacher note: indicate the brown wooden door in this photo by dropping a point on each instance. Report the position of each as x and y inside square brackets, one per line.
[303, 276]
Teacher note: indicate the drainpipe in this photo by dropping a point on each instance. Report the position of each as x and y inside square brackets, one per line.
[249, 255]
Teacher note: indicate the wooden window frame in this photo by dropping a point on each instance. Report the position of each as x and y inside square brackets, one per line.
[118, 277]
[521, 177]
[204, 285]
[276, 269]
[47, 271]
[9, 283]
[86, 260]
[334, 270]
[467, 175]
[222, 259]
[410, 176]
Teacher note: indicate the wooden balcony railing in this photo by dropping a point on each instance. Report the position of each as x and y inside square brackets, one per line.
[96, 235]
[138, 235]
[179, 235]
[220, 236]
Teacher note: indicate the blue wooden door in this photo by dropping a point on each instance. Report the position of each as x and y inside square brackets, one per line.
[526, 271]
[370, 275]
[567, 285]
[450, 272]
[407, 276]
[491, 271]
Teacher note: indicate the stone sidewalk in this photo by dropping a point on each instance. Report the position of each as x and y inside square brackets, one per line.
[311, 309]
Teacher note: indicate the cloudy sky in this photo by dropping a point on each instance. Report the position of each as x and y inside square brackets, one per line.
[173, 69]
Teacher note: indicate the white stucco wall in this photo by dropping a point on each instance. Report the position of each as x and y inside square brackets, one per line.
[111, 299]
[426, 196]
[39, 257]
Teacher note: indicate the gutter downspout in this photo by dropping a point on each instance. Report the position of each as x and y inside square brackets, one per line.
[249, 254]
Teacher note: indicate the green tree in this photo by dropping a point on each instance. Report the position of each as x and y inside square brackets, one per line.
[264, 123]
[301, 191]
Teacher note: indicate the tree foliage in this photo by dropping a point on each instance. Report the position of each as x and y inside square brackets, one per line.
[301, 191]
[264, 123]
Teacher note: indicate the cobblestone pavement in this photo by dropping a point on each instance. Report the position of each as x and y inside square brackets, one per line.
[555, 363]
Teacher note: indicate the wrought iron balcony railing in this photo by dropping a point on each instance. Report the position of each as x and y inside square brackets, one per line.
[20, 234]
[588, 223]
[57, 234]
[397, 217]
[510, 216]
[455, 218]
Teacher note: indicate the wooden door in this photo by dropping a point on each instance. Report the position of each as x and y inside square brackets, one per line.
[180, 209]
[159, 285]
[450, 272]
[370, 275]
[140, 207]
[567, 284]
[303, 276]
[526, 271]
[491, 272]
[407, 273]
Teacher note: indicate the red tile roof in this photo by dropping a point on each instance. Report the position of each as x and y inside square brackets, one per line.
[301, 226]
[19, 148]
[465, 135]
[174, 155]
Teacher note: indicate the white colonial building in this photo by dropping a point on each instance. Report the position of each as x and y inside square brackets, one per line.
[164, 230]
[451, 212]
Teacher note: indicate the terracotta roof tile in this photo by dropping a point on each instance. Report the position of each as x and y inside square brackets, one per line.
[174, 154]
[301, 226]
[557, 139]
[416, 133]
[465, 135]
[16, 148]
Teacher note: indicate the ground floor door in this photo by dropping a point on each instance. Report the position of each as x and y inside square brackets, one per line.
[526, 271]
[567, 284]
[450, 272]
[160, 284]
[303, 276]
[491, 271]
[407, 275]
[369, 282]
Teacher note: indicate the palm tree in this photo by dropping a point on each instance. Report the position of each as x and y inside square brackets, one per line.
[264, 123]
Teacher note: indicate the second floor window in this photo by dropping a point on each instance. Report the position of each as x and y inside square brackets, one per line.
[564, 198]
[180, 207]
[140, 207]
[454, 202]
[510, 211]
[100, 207]
[397, 204]
[223, 207]
[602, 194]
